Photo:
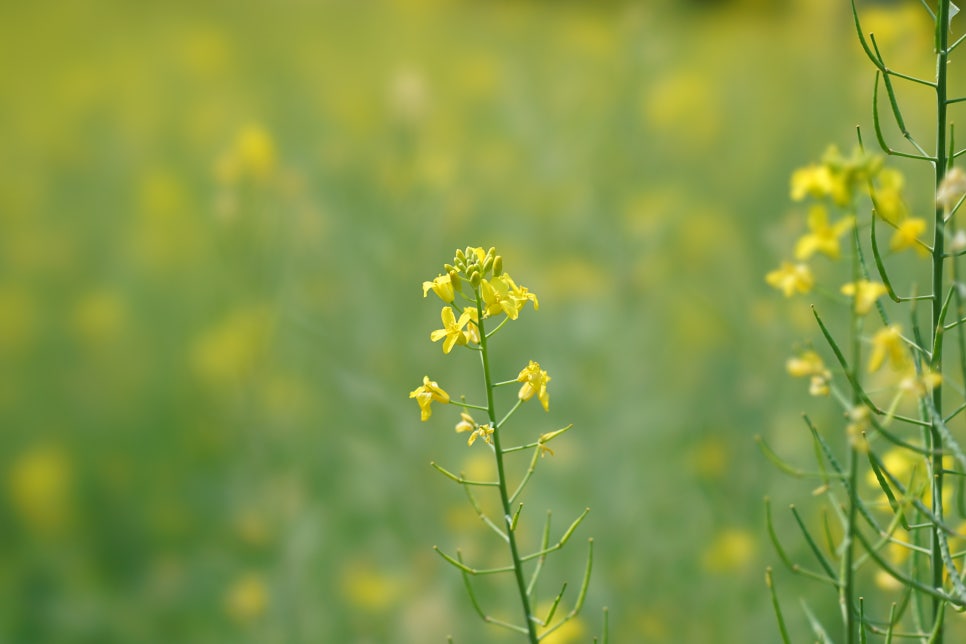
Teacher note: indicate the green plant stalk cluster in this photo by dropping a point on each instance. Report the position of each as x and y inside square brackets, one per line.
[907, 534]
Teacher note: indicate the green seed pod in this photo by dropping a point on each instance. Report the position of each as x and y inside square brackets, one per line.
[498, 265]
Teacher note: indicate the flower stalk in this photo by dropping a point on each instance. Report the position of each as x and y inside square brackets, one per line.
[477, 280]
[893, 519]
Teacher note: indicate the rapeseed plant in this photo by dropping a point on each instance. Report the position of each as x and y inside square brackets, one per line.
[895, 501]
[476, 292]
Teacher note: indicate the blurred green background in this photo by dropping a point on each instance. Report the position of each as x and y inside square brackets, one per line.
[215, 219]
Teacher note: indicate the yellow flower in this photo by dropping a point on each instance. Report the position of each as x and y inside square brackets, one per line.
[472, 330]
[809, 365]
[887, 344]
[864, 293]
[922, 383]
[496, 297]
[907, 235]
[452, 329]
[790, 278]
[520, 294]
[502, 295]
[466, 424]
[822, 237]
[426, 394]
[857, 427]
[441, 286]
[887, 196]
[814, 181]
[483, 431]
[247, 598]
[534, 382]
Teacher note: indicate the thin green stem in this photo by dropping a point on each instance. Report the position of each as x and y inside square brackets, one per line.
[936, 362]
[531, 627]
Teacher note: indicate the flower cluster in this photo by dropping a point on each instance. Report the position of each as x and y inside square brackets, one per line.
[479, 298]
[835, 183]
[474, 288]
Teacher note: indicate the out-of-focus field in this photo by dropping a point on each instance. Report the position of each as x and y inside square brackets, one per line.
[214, 222]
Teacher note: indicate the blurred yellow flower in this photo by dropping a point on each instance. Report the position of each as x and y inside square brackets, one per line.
[368, 588]
[888, 345]
[232, 348]
[442, 286]
[864, 294]
[812, 181]
[571, 632]
[728, 551]
[534, 381]
[252, 156]
[39, 488]
[887, 196]
[822, 237]
[452, 329]
[247, 598]
[907, 235]
[426, 394]
[809, 364]
[791, 278]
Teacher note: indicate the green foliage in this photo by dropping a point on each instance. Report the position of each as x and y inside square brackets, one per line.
[213, 222]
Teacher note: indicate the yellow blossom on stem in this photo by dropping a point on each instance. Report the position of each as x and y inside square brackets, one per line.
[887, 196]
[483, 431]
[920, 384]
[466, 424]
[452, 329]
[810, 365]
[426, 394]
[534, 381]
[441, 286]
[857, 427]
[811, 181]
[502, 295]
[864, 294]
[907, 235]
[822, 237]
[888, 345]
[472, 330]
[791, 278]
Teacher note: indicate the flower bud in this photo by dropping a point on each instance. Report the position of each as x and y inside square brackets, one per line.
[476, 278]
[488, 264]
[498, 265]
[456, 280]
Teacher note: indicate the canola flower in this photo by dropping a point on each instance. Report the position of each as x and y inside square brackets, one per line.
[887, 383]
[476, 293]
